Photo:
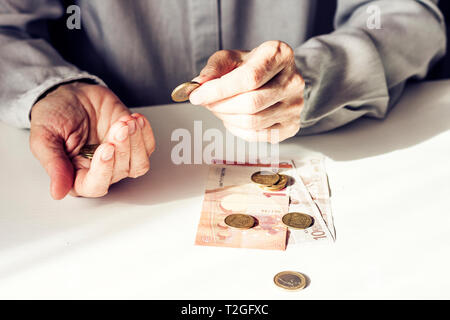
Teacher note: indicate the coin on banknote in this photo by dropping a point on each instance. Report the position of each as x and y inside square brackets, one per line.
[265, 178]
[87, 151]
[182, 92]
[240, 221]
[297, 220]
[281, 184]
[290, 280]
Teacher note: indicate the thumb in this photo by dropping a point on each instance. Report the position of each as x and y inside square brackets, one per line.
[219, 64]
[49, 150]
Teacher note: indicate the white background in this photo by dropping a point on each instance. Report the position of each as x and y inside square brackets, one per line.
[390, 185]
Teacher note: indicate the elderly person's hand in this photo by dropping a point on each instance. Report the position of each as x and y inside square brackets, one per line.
[253, 92]
[77, 114]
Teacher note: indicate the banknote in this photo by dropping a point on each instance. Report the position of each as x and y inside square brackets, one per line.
[229, 190]
[313, 174]
[301, 201]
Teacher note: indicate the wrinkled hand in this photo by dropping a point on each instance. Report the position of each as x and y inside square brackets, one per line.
[253, 92]
[76, 114]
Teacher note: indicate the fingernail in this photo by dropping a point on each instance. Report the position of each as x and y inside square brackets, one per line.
[122, 134]
[107, 152]
[141, 122]
[131, 127]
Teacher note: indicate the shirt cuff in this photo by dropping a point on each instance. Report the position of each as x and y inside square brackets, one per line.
[27, 100]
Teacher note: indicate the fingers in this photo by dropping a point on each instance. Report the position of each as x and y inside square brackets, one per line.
[281, 112]
[124, 154]
[255, 101]
[258, 121]
[49, 150]
[220, 63]
[274, 134]
[261, 65]
[146, 131]
[118, 135]
[134, 142]
[139, 160]
[95, 181]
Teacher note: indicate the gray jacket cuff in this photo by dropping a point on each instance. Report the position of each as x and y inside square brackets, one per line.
[21, 116]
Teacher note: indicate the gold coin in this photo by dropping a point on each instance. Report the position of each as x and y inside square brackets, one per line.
[297, 220]
[279, 185]
[88, 150]
[240, 221]
[265, 178]
[290, 280]
[182, 92]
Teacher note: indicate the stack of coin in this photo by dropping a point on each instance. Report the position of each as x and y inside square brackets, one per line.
[88, 151]
[270, 181]
[281, 184]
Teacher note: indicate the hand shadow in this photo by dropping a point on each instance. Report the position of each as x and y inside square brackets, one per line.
[422, 113]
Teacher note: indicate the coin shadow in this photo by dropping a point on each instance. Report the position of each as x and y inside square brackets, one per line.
[307, 280]
[290, 182]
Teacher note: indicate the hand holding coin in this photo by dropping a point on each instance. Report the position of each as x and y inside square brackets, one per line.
[182, 92]
[71, 121]
[253, 92]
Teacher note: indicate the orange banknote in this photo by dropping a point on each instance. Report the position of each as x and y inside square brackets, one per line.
[229, 190]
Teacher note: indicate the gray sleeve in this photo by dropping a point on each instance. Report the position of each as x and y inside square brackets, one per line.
[359, 69]
[29, 66]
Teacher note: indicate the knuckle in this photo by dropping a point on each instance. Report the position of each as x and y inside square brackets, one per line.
[279, 52]
[277, 47]
[298, 81]
[210, 68]
[272, 46]
[255, 77]
[223, 54]
[219, 59]
[286, 50]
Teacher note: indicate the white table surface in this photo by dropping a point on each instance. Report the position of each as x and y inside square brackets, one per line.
[391, 189]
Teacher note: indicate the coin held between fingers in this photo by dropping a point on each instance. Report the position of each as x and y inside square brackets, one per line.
[182, 92]
[88, 150]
